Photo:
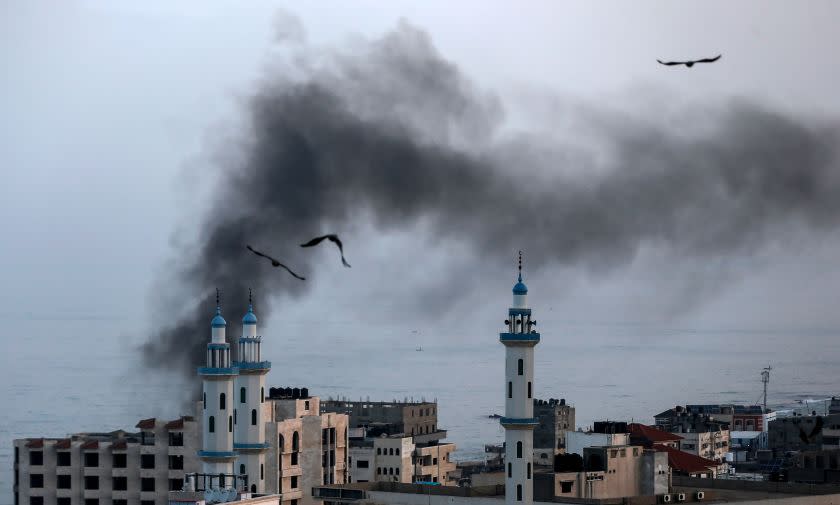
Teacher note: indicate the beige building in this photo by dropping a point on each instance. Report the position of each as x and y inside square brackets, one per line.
[615, 472]
[305, 449]
[713, 444]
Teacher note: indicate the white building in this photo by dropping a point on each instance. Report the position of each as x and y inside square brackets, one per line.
[577, 441]
[519, 421]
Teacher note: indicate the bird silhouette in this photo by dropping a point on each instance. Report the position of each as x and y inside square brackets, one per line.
[332, 238]
[690, 63]
[275, 263]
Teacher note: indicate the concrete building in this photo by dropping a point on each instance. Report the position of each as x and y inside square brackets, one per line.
[577, 441]
[737, 417]
[519, 421]
[555, 418]
[411, 418]
[396, 442]
[262, 444]
[804, 433]
[615, 472]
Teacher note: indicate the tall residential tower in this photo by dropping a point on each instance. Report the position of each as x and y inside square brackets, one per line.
[519, 421]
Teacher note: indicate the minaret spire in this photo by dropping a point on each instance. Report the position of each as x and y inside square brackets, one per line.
[218, 302]
[520, 266]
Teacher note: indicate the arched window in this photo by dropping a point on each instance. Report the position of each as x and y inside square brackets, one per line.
[397, 471]
[521, 366]
[510, 389]
[262, 471]
[241, 469]
[295, 442]
[510, 469]
[253, 488]
[529, 389]
[281, 443]
[253, 417]
[262, 395]
[205, 401]
[212, 424]
[519, 492]
[529, 470]
[234, 416]
[222, 402]
[518, 449]
[398, 451]
[241, 395]
[391, 452]
[230, 424]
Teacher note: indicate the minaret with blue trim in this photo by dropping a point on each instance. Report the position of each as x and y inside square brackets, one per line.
[249, 388]
[519, 422]
[217, 454]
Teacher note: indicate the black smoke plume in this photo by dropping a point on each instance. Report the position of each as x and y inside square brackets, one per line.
[389, 131]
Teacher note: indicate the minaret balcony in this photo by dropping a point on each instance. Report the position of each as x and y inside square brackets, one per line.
[252, 366]
[222, 455]
[519, 422]
[251, 447]
[526, 339]
[207, 370]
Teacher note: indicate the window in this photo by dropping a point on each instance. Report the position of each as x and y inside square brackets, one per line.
[91, 501]
[519, 492]
[253, 417]
[305, 407]
[120, 483]
[114, 502]
[241, 395]
[635, 451]
[222, 401]
[63, 482]
[204, 400]
[392, 451]
[262, 472]
[176, 462]
[294, 482]
[529, 389]
[176, 438]
[379, 451]
[176, 484]
[147, 502]
[119, 460]
[518, 449]
[212, 425]
[294, 458]
[528, 474]
[147, 461]
[234, 416]
[362, 463]
[521, 367]
[281, 443]
[36, 500]
[147, 484]
[397, 450]
[378, 470]
[67, 501]
[62, 458]
[295, 442]
[230, 424]
[91, 459]
[91, 482]
[36, 458]
[510, 389]
[36, 480]
[262, 395]
[510, 469]
[566, 487]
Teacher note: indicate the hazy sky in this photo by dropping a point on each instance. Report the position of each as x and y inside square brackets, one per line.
[115, 118]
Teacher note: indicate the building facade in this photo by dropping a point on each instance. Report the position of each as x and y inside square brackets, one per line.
[555, 418]
[260, 442]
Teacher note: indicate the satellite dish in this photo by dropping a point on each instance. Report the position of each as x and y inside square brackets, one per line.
[210, 495]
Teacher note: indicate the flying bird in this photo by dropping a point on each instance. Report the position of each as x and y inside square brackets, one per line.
[690, 63]
[332, 238]
[275, 263]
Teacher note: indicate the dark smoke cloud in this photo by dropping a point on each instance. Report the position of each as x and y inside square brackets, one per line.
[390, 132]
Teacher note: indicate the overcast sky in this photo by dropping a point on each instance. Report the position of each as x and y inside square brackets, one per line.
[115, 116]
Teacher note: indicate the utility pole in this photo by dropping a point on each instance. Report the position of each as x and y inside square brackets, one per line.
[765, 378]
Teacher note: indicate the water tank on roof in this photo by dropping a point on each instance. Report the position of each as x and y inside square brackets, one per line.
[287, 392]
[304, 392]
[562, 401]
[296, 393]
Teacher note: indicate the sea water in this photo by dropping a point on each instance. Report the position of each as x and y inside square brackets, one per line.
[66, 376]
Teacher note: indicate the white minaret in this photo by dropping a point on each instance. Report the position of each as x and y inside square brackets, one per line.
[249, 388]
[217, 453]
[519, 421]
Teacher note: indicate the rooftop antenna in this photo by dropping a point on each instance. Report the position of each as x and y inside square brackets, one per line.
[765, 378]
